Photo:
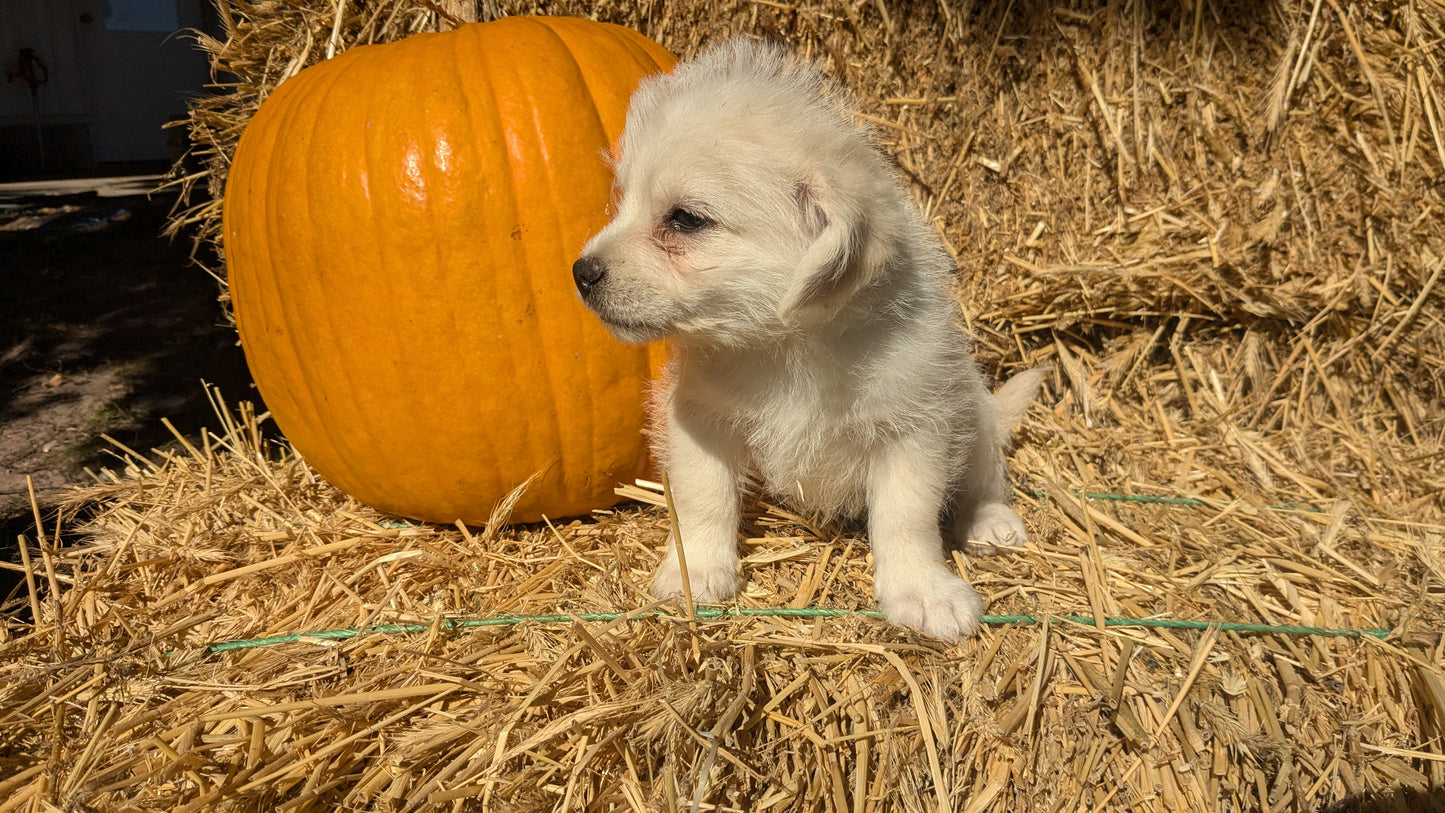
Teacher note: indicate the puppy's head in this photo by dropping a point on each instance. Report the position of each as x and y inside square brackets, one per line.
[747, 204]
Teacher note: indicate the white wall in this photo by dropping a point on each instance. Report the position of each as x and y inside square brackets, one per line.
[119, 69]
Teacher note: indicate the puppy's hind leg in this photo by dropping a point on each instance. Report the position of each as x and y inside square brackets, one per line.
[982, 520]
[914, 586]
[703, 473]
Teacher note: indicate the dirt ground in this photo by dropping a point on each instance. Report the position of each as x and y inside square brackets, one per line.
[105, 328]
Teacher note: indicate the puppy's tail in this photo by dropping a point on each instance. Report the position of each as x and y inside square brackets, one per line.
[1013, 398]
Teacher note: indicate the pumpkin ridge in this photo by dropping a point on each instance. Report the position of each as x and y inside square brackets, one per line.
[395, 300]
[296, 389]
[253, 177]
[585, 436]
[428, 265]
[486, 284]
[648, 52]
[343, 444]
[443, 262]
[528, 217]
[590, 373]
[595, 71]
[489, 120]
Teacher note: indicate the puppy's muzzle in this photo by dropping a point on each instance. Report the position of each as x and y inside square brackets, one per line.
[588, 273]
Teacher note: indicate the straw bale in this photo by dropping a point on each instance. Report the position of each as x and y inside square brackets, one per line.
[113, 699]
[1221, 221]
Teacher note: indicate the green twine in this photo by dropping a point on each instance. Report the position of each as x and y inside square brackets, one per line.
[1139, 498]
[780, 612]
[776, 612]
[1149, 499]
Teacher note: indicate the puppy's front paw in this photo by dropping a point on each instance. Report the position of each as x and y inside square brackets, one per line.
[711, 582]
[995, 526]
[933, 599]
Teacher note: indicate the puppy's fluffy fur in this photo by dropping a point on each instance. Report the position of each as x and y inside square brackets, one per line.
[815, 354]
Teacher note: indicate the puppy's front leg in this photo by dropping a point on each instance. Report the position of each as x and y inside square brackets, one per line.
[702, 471]
[914, 587]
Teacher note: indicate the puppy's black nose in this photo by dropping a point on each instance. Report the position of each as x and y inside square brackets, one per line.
[588, 272]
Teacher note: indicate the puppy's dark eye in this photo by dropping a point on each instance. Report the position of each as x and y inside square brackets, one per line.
[684, 221]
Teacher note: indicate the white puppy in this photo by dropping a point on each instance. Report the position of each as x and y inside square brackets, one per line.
[814, 351]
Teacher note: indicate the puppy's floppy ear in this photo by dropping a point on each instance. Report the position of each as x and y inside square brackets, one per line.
[846, 254]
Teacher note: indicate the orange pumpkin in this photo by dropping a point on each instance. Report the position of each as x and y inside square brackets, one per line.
[400, 224]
